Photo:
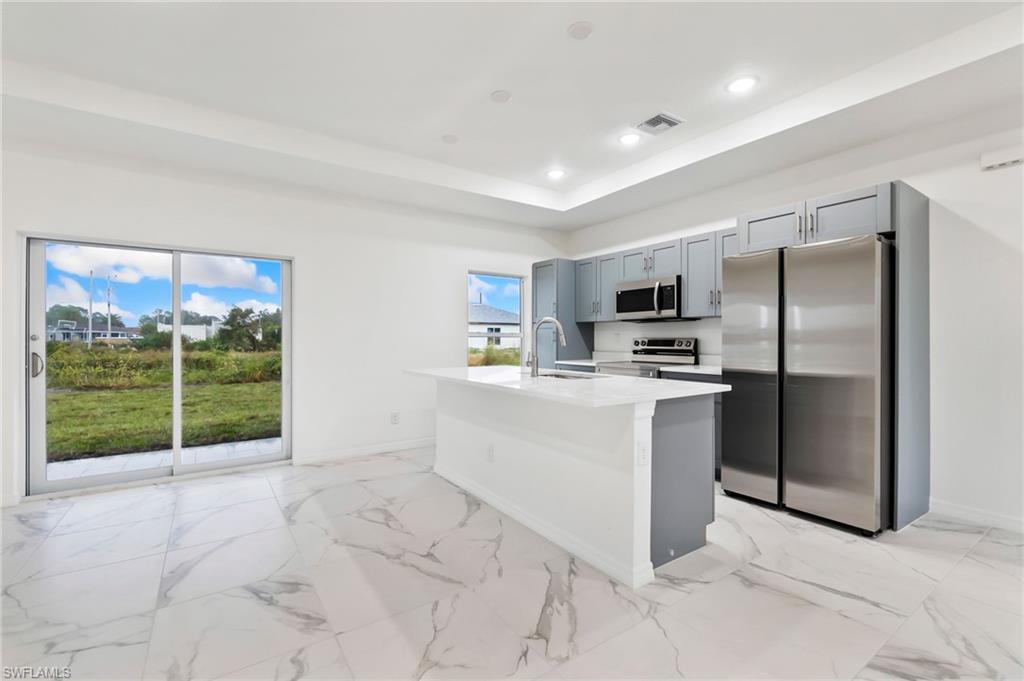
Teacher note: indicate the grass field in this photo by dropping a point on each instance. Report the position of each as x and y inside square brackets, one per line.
[88, 423]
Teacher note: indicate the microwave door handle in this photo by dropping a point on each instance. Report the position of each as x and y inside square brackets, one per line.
[657, 308]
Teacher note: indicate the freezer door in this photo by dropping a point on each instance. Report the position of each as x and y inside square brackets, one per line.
[836, 384]
[750, 364]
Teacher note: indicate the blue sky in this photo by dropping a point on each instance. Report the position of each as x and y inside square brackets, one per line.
[141, 281]
[500, 292]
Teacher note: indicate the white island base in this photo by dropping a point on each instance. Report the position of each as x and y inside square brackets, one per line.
[618, 471]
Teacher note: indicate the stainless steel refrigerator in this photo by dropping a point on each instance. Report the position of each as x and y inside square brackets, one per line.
[807, 348]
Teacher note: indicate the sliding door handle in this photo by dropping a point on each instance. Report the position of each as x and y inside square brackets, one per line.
[37, 364]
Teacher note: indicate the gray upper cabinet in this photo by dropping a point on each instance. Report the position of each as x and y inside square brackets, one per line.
[727, 242]
[865, 211]
[775, 228]
[699, 287]
[554, 294]
[545, 289]
[634, 264]
[664, 259]
[586, 290]
[608, 268]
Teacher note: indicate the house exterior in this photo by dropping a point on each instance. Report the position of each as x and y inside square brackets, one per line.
[68, 331]
[485, 318]
[194, 332]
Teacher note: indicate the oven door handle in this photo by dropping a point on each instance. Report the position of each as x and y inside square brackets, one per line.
[657, 302]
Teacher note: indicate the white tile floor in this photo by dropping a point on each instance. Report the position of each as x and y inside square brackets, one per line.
[376, 568]
[118, 463]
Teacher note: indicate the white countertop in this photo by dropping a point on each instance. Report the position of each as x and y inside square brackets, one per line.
[707, 369]
[598, 390]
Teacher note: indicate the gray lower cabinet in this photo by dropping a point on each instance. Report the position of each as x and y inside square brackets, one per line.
[699, 266]
[554, 294]
[706, 378]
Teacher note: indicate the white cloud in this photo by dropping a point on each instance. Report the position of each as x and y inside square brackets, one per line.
[257, 305]
[478, 289]
[131, 266]
[70, 292]
[219, 270]
[511, 290]
[205, 305]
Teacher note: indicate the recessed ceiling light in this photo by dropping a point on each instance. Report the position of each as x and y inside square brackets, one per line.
[555, 174]
[629, 139]
[580, 30]
[742, 84]
[501, 96]
[449, 139]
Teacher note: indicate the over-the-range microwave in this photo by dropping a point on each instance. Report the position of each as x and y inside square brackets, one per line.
[650, 299]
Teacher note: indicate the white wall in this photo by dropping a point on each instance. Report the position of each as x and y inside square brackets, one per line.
[977, 301]
[376, 288]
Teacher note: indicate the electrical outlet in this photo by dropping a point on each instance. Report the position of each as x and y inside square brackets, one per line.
[643, 456]
[395, 418]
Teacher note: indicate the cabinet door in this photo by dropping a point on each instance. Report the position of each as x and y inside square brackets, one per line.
[544, 289]
[727, 242]
[634, 264]
[699, 287]
[608, 268]
[865, 211]
[665, 260]
[586, 290]
[775, 228]
[546, 352]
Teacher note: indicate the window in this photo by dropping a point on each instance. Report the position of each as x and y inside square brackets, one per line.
[494, 313]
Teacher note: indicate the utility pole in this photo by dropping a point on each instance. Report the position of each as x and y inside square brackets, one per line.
[90, 311]
[108, 306]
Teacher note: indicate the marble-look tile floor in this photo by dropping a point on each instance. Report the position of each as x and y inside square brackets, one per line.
[376, 568]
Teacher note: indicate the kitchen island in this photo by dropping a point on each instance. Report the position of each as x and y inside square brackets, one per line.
[616, 470]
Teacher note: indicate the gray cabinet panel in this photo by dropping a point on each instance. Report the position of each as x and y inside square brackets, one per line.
[586, 290]
[634, 264]
[547, 349]
[727, 242]
[664, 260]
[544, 289]
[608, 268]
[864, 211]
[699, 287]
[774, 228]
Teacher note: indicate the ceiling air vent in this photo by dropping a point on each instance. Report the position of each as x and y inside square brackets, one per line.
[1003, 158]
[658, 123]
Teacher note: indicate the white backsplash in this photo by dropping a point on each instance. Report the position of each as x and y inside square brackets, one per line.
[614, 340]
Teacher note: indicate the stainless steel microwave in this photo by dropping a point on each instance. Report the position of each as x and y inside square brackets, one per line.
[650, 299]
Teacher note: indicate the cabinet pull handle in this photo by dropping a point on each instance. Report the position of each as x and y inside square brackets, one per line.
[711, 297]
[800, 226]
[719, 296]
[810, 225]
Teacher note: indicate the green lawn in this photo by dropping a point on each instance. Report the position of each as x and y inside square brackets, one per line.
[91, 423]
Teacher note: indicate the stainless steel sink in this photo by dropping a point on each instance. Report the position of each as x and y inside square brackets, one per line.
[566, 374]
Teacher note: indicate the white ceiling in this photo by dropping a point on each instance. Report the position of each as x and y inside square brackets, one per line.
[371, 88]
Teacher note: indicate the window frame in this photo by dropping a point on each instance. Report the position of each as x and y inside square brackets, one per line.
[522, 309]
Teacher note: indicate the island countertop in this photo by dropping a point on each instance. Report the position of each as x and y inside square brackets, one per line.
[590, 390]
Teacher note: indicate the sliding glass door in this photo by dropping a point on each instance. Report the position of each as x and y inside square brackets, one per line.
[145, 363]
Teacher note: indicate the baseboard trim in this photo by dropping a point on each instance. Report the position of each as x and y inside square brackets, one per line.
[977, 515]
[363, 450]
[632, 576]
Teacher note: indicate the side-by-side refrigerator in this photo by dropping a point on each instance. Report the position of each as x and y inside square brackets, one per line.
[807, 348]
